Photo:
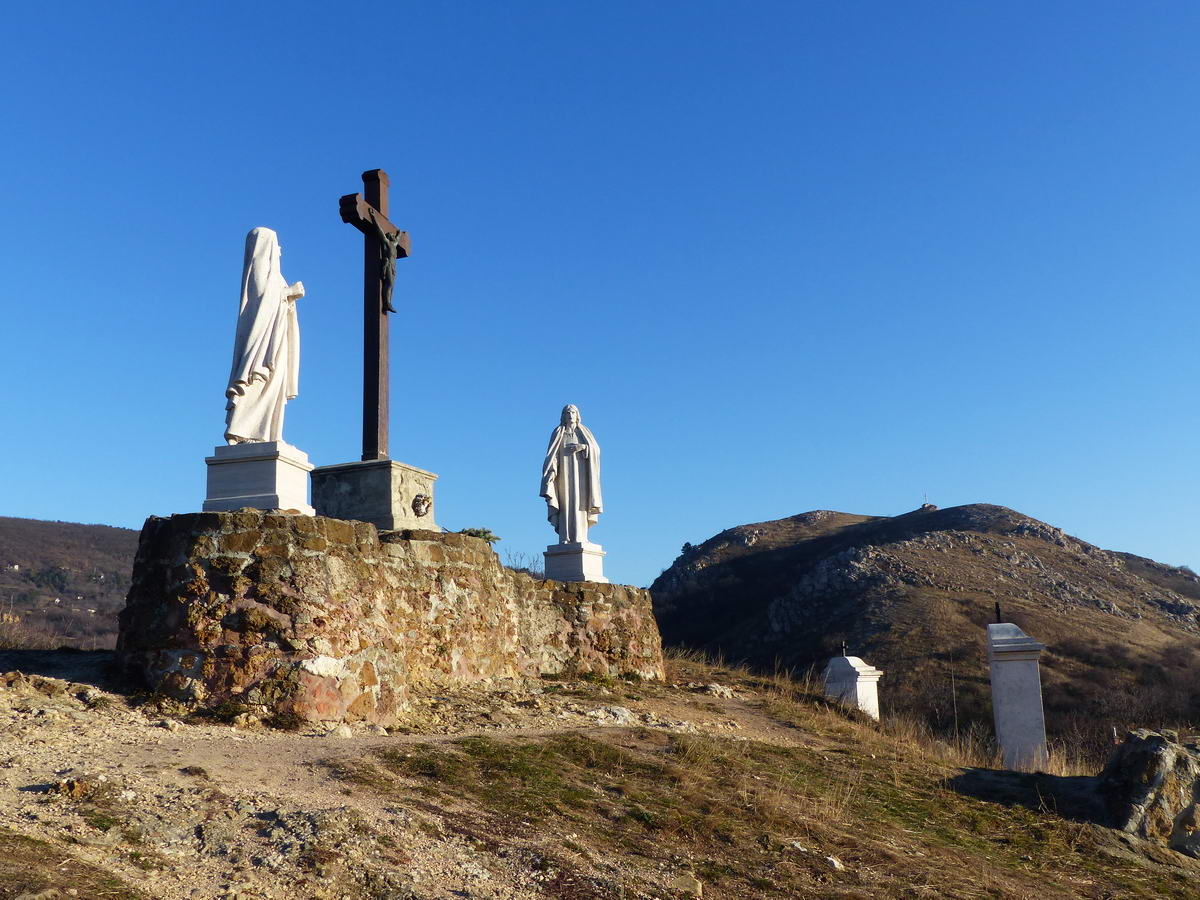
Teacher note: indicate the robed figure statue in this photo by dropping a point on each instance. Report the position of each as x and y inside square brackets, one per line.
[571, 479]
[266, 351]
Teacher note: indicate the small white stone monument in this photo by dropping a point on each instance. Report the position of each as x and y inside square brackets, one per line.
[1017, 696]
[571, 488]
[257, 468]
[850, 681]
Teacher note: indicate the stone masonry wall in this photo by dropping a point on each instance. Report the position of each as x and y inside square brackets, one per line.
[332, 620]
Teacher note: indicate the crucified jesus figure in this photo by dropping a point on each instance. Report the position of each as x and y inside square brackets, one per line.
[389, 252]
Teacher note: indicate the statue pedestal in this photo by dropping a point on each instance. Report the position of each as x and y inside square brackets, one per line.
[388, 494]
[580, 561]
[263, 475]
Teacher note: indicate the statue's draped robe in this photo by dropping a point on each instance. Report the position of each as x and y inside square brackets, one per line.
[266, 351]
[571, 484]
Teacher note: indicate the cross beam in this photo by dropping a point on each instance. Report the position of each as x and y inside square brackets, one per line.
[383, 244]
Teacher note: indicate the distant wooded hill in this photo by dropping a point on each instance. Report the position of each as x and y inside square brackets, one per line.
[912, 594]
[63, 583]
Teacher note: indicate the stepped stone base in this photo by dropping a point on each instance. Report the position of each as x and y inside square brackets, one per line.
[330, 620]
[264, 475]
[579, 561]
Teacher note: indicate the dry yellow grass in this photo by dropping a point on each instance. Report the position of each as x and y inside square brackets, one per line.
[761, 813]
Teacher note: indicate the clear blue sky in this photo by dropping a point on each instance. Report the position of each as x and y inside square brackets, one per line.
[783, 256]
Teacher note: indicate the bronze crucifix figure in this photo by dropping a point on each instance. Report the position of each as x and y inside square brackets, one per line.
[383, 245]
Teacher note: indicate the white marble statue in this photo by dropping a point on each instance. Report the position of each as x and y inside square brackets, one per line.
[571, 479]
[266, 351]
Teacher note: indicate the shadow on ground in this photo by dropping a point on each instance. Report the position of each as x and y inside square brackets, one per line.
[1074, 797]
[94, 667]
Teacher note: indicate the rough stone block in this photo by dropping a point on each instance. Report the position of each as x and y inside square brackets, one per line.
[386, 493]
[1150, 789]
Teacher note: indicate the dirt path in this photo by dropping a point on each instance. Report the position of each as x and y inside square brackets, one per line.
[185, 810]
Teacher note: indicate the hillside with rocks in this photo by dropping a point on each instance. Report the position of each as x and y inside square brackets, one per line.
[715, 783]
[62, 583]
[913, 593]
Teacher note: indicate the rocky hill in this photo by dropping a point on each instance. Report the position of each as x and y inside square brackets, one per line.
[62, 582]
[912, 594]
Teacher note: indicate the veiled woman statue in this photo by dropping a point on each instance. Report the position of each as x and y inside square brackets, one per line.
[571, 479]
[266, 351]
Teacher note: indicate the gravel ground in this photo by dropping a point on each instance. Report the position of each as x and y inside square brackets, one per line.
[186, 809]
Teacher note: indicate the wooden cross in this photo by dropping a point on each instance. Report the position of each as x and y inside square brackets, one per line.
[383, 244]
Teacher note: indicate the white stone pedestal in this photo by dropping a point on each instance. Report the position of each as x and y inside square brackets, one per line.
[264, 475]
[1017, 696]
[388, 494]
[579, 561]
[850, 681]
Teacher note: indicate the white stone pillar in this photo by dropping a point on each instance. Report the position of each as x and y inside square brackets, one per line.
[851, 681]
[1017, 697]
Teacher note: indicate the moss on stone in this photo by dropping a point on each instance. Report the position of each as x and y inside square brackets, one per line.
[276, 596]
[240, 541]
[227, 565]
[243, 519]
[339, 532]
[256, 620]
